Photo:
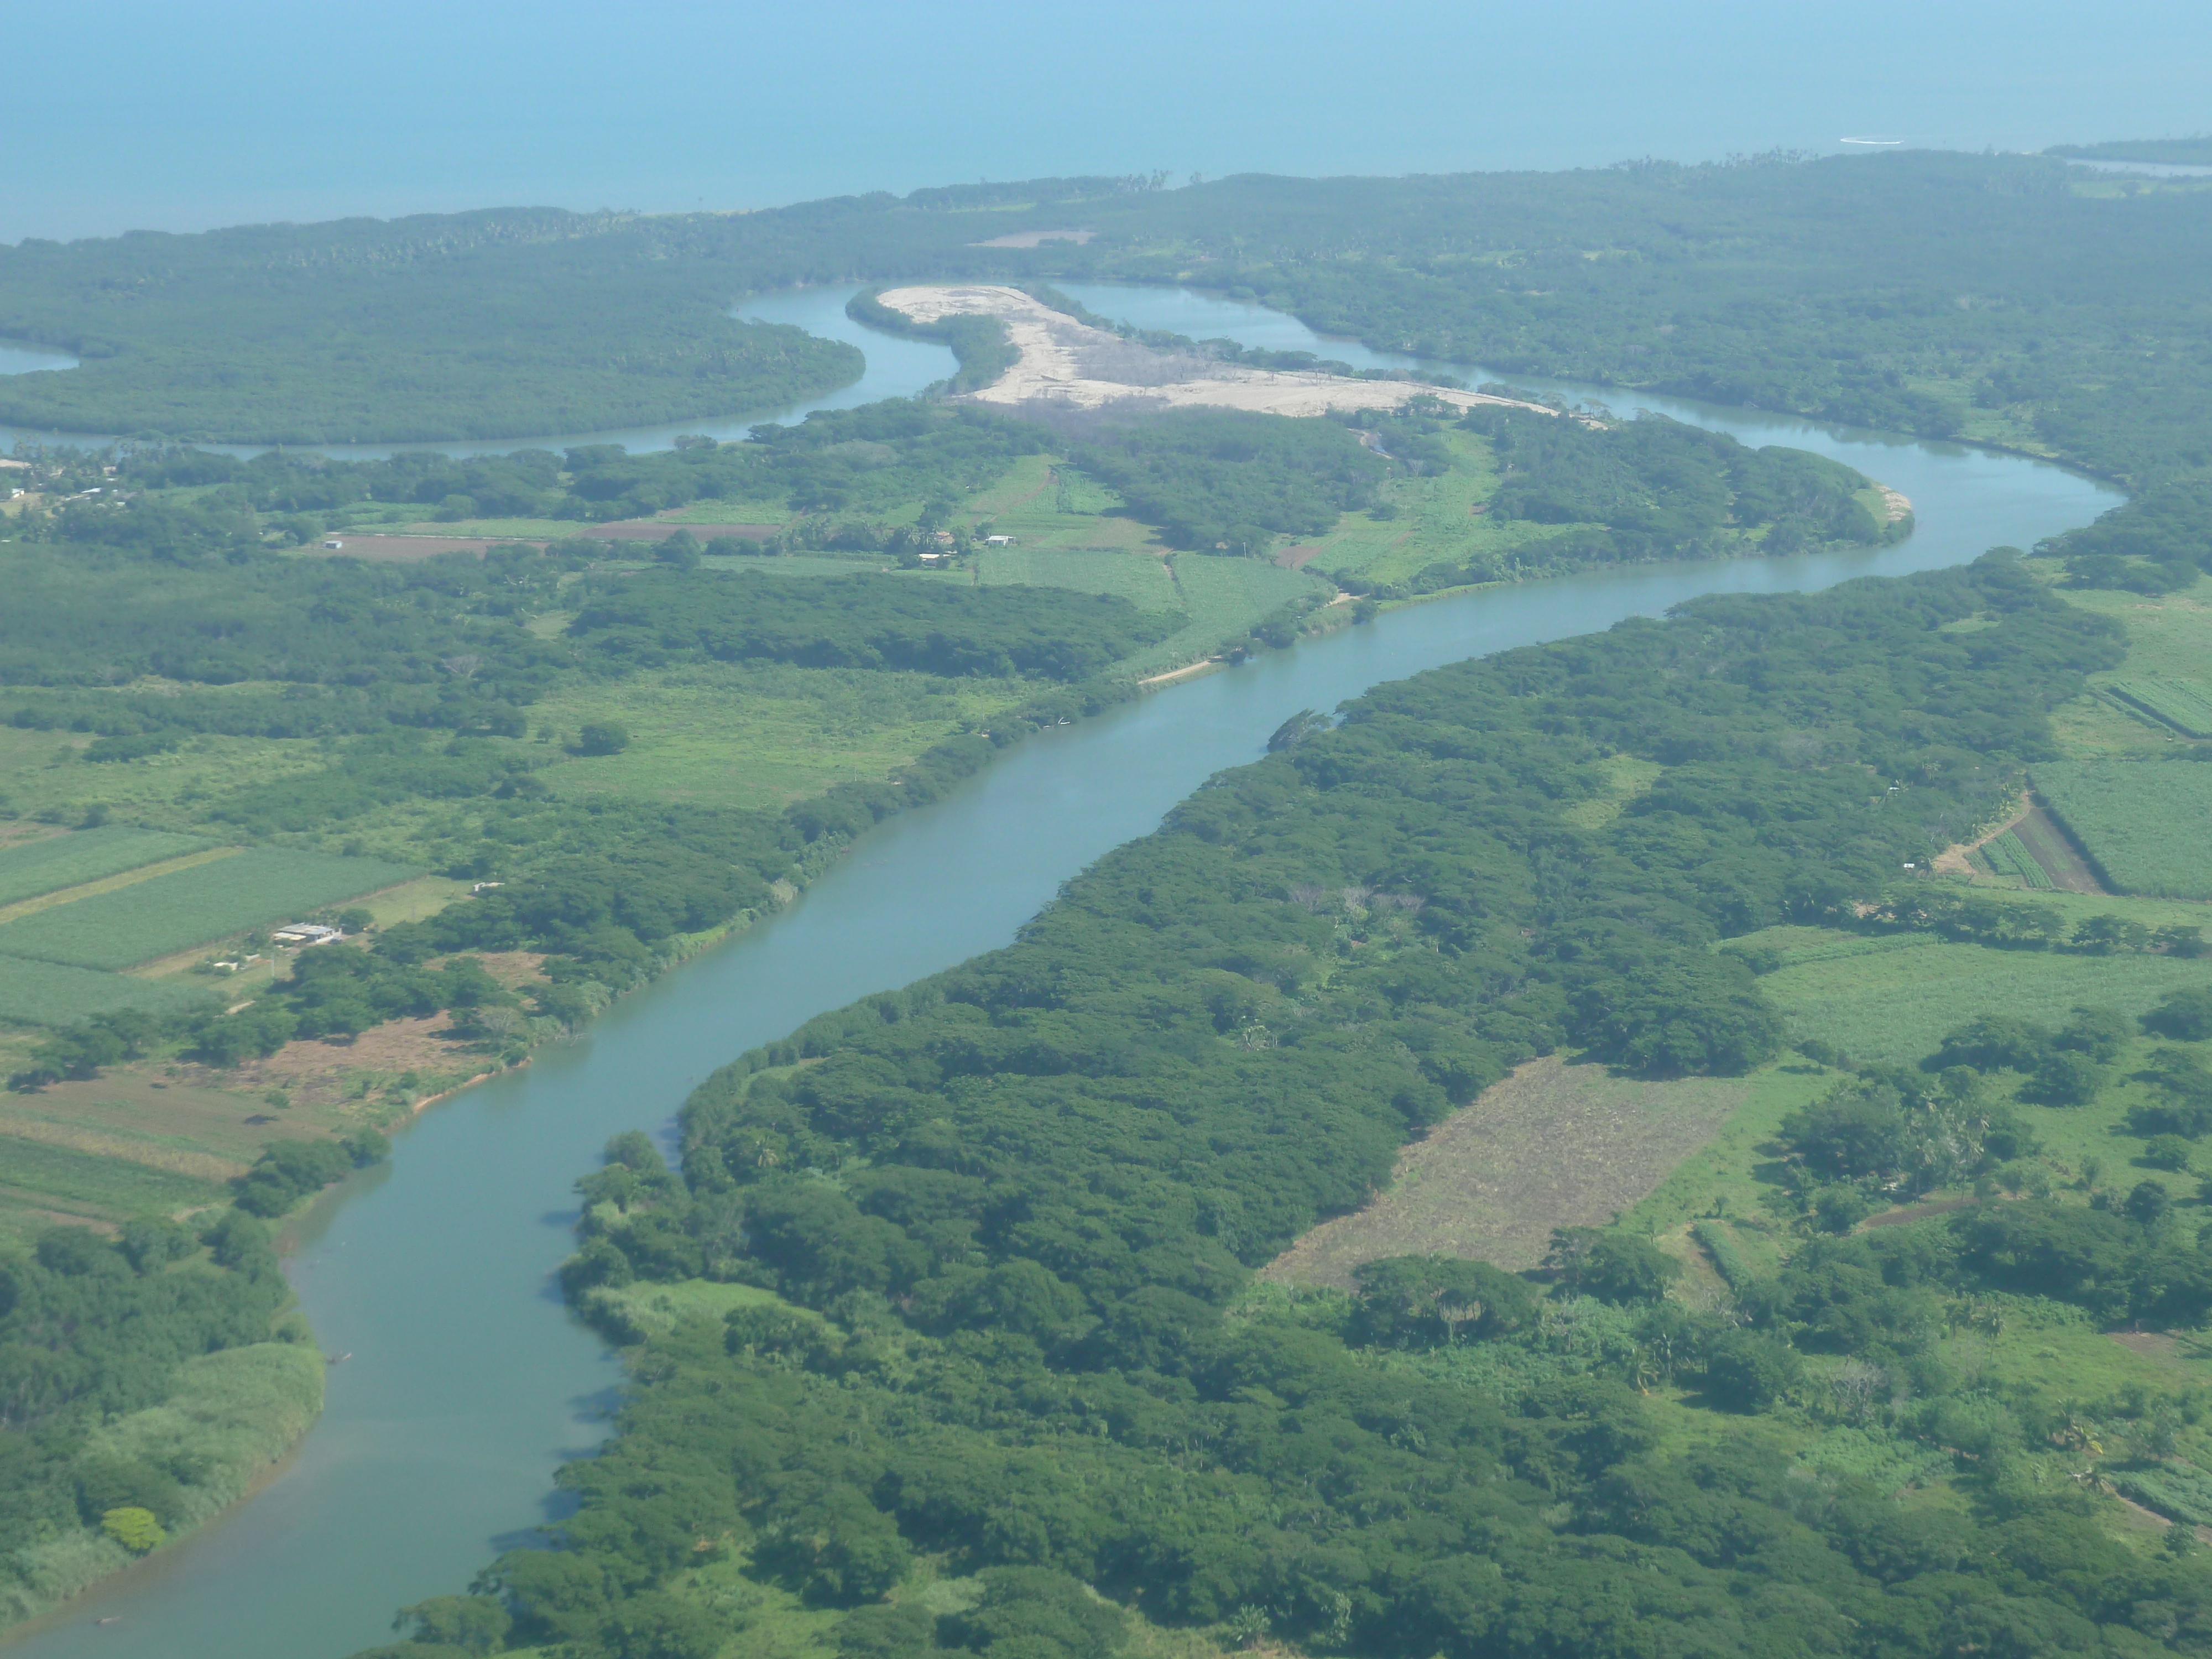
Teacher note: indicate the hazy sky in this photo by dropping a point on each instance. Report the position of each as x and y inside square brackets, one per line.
[135, 114]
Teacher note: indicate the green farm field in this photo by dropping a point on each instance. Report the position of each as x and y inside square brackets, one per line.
[1143, 579]
[2143, 822]
[1895, 1005]
[35, 1176]
[756, 735]
[193, 906]
[32, 869]
[49, 993]
[2169, 641]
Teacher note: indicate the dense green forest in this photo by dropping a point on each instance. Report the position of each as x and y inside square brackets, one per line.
[1224, 479]
[1009, 1215]
[1037, 633]
[2052, 310]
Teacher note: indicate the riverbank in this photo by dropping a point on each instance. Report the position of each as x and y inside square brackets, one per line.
[464, 1454]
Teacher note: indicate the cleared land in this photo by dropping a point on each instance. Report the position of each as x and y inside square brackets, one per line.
[35, 868]
[2143, 822]
[176, 912]
[1074, 366]
[1553, 1146]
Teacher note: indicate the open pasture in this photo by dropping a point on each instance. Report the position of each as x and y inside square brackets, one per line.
[32, 869]
[1895, 1005]
[193, 906]
[2142, 822]
[49, 993]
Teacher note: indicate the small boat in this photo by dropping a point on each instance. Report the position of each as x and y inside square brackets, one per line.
[112, 1619]
[337, 1358]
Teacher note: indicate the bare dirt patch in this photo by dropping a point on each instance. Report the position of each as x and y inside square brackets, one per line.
[316, 1071]
[1553, 1146]
[2048, 845]
[1071, 367]
[1297, 558]
[1952, 859]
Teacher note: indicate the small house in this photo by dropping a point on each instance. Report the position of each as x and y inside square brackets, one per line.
[305, 933]
[332, 545]
[935, 561]
[1000, 541]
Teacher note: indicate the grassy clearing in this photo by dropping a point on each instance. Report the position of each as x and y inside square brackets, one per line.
[1629, 777]
[1141, 578]
[759, 735]
[1226, 598]
[190, 908]
[39, 867]
[1895, 1005]
[49, 993]
[1718, 1178]
[2143, 822]
[1553, 1146]
[1436, 521]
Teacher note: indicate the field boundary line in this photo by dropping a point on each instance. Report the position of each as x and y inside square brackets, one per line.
[109, 884]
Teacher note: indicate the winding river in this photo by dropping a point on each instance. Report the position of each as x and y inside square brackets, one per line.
[468, 1383]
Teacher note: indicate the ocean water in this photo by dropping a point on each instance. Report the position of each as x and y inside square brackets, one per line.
[180, 118]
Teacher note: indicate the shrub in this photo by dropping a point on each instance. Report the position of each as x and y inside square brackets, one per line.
[602, 738]
[1748, 1372]
[2185, 1016]
[136, 1529]
[2168, 1151]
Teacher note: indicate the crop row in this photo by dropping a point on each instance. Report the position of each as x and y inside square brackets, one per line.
[1720, 1244]
[187, 907]
[2007, 855]
[2184, 705]
[39, 867]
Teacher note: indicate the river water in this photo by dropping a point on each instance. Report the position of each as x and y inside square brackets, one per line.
[468, 1383]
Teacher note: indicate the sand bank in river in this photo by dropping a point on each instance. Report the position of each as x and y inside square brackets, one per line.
[1076, 366]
